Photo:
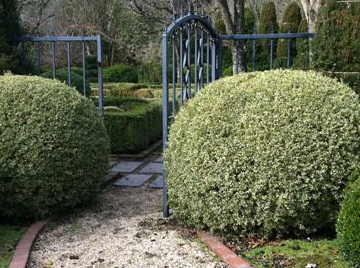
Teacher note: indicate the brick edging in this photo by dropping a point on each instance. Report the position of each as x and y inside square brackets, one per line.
[23, 248]
[226, 255]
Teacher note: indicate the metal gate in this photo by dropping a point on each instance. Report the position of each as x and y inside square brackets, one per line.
[192, 57]
[67, 40]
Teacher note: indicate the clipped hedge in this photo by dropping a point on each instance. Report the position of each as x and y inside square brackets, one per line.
[134, 126]
[53, 148]
[76, 80]
[121, 73]
[348, 224]
[264, 153]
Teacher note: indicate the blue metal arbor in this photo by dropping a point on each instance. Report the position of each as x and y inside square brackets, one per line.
[192, 57]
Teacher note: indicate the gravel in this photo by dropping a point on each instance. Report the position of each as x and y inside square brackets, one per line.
[122, 228]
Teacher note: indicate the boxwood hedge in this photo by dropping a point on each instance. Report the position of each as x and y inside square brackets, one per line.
[348, 224]
[53, 147]
[134, 126]
[264, 153]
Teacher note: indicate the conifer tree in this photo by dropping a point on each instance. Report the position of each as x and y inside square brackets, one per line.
[290, 23]
[336, 46]
[267, 24]
[302, 47]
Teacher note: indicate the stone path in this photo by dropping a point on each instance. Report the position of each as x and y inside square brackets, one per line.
[136, 173]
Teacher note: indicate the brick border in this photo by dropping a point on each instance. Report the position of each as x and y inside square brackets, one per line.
[226, 255]
[23, 248]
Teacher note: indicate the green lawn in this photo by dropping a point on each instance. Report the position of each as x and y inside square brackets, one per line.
[9, 236]
[295, 254]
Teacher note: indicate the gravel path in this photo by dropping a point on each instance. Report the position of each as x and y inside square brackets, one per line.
[122, 228]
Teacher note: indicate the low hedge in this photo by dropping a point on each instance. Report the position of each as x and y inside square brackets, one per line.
[134, 126]
[54, 150]
[348, 224]
[76, 80]
[120, 73]
[264, 154]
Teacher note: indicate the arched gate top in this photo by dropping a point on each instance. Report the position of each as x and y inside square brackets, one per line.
[204, 21]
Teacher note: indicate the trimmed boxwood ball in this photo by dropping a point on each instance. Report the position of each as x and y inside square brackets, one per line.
[348, 224]
[54, 150]
[264, 153]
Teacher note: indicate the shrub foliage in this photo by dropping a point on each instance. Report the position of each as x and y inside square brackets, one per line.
[121, 73]
[76, 80]
[134, 126]
[348, 224]
[263, 153]
[53, 147]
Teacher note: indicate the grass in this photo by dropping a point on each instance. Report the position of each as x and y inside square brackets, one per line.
[9, 236]
[294, 253]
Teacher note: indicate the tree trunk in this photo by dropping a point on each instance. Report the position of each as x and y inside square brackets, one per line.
[234, 23]
[311, 8]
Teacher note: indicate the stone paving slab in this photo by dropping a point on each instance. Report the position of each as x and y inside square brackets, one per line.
[159, 159]
[158, 183]
[152, 168]
[126, 166]
[133, 180]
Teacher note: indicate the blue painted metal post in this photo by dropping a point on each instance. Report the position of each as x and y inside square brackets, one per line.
[219, 44]
[165, 98]
[271, 53]
[213, 61]
[174, 72]
[100, 80]
[38, 52]
[53, 54]
[207, 58]
[288, 53]
[69, 62]
[253, 55]
[84, 67]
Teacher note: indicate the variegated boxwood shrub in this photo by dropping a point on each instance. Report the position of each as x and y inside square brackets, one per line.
[54, 150]
[264, 153]
[348, 224]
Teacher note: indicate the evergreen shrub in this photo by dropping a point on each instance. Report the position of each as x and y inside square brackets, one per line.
[121, 73]
[76, 80]
[92, 68]
[264, 153]
[301, 61]
[267, 24]
[336, 46]
[290, 23]
[348, 224]
[150, 73]
[54, 150]
[134, 125]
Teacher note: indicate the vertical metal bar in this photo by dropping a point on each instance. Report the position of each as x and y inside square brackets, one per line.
[288, 53]
[174, 60]
[207, 58]
[201, 75]
[100, 80]
[213, 61]
[271, 53]
[69, 62]
[253, 55]
[181, 67]
[53, 49]
[219, 45]
[165, 99]
[196, 59]
[83, 67]
[189, 61]
[38, 52]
